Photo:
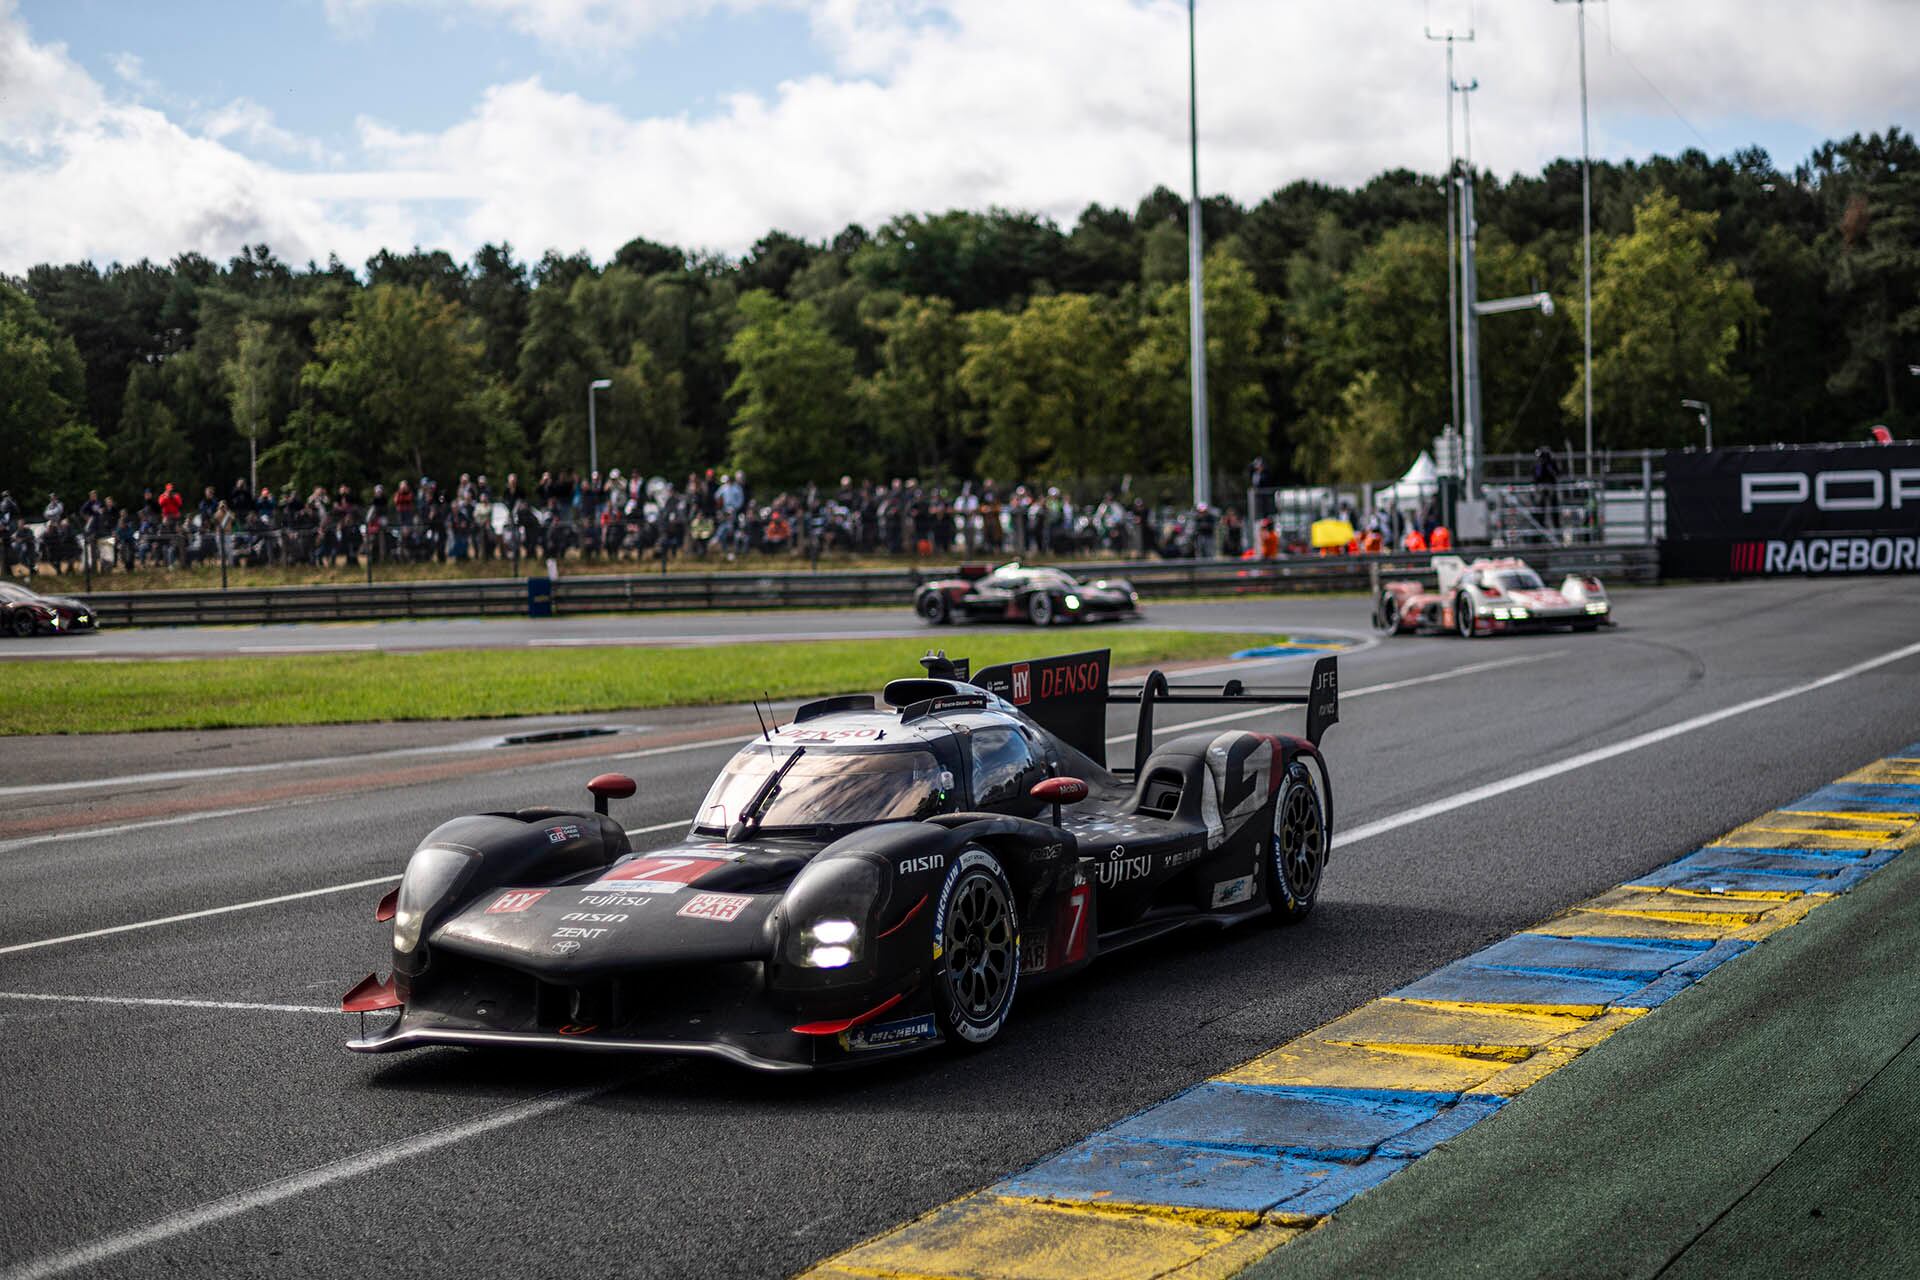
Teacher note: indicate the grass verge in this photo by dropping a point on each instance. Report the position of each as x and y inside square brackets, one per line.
[222, 693]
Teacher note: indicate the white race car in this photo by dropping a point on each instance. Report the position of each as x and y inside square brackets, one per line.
[1488, 597]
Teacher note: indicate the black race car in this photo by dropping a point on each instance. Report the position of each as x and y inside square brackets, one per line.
[1023, 593]
[864, 882]
[24, 613]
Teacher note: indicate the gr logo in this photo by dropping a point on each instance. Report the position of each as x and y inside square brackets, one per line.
[1832, 490]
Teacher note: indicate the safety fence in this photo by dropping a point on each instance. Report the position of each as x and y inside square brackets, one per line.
[637, 593]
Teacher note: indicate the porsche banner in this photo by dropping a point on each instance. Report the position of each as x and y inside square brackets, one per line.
[1815, 509]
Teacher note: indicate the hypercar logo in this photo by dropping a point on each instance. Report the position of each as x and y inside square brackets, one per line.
[517, 900]
[1022, 684]
[724, 907]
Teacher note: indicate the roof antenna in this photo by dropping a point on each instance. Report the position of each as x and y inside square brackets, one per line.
[768, 695]
[763, 723]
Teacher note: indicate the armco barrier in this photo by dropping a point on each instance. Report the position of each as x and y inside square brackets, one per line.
[655, 592]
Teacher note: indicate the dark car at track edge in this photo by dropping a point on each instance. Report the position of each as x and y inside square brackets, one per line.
[865, 882]
[1015, 592]
[24, 613]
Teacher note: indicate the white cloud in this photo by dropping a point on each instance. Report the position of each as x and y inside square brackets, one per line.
[575, 25]
[933, 104]
[245, 119]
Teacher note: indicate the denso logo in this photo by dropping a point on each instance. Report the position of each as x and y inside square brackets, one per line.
[1832, 490]
[1059, 682]
[930, 862]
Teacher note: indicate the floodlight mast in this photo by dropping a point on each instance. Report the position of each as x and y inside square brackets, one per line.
[1196, 292]
[1453, 281]
[1586, 227]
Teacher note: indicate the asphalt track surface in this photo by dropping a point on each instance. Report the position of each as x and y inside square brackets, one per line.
[148, 1138]
[617, 630]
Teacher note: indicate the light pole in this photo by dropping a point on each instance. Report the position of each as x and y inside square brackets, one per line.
[1706, 417]
[1586, 227]
[1197, 323]
[593, 431]
[1453, 283]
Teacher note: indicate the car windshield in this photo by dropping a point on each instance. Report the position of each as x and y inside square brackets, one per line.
[18, 595]
[828, 788]
[1017, 572]
[1518, 580]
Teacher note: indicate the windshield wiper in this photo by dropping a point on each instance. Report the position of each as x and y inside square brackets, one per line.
[749, 818]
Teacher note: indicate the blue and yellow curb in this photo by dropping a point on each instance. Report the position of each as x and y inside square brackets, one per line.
[1216, 1177]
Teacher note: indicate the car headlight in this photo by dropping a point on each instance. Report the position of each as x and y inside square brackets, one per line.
[1501, 615]
[1073, 601]
[431, 874]
[1599, 606]
[827, 944]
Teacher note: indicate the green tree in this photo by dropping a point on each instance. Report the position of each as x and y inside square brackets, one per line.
[1666, 322]
[1050, 384]
[1238, 416]
[41, 384]
[794, 422]
[914, 399]
[259, 367]
[404, 368]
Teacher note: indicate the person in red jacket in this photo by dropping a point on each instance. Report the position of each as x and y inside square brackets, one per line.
[1442, 539]
[169, 504]
[1415, 540]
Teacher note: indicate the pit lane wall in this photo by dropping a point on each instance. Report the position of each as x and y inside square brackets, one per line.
[1214, 1178]
[1810, 509]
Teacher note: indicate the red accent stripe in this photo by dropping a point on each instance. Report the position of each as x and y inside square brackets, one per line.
[370, 995]
[903, 919]
[835, 1027]
[389, 903]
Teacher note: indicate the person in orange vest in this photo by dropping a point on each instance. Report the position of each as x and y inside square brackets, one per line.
[1414, 541]
[1372, 543]
[1269, 541]
[1442, 539]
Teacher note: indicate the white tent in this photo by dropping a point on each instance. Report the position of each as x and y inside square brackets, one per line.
[1413, 489]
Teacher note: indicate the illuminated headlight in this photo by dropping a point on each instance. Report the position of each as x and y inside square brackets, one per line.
[1520, 613]
[827, 944]
[1501, 615]
[1599, 606]
[1073, 602]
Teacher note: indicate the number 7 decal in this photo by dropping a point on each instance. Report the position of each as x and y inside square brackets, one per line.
[1074, 949]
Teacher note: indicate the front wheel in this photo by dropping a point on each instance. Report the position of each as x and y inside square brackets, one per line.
[1386, 614]
[21, 625]
[1299, 845]
[1040, 609]
[1463, 615]
[976, 958]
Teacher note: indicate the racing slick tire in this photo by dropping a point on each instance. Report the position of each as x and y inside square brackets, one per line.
[1040, 609]
[1386, 614]
[21, 624]
[1299, 845]
[935, 608]
[976, 938]
[1463, 616]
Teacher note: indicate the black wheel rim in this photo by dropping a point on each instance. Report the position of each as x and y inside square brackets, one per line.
[978, 950]
[1302, 841]
[1463, 615]
[1389, 613]
[1041, 609]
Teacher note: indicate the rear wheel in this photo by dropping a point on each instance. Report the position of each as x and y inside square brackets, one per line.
[1040, 609]
[1299, 845]
[21, 624]
[935, 609]
[1463, 615]
[976, 933]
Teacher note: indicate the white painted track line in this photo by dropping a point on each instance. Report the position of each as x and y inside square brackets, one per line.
[179, 1224]
[89, 833]
[258, 902]
[158, 1002]
[1420, 813]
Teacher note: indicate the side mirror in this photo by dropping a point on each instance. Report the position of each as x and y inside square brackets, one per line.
[610, 786]
[1059, 791]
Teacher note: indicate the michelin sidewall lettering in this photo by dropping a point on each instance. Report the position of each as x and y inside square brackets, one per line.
[973, 1032]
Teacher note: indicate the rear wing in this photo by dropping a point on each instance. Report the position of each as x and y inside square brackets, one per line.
[1321, 698]
[1069, 695]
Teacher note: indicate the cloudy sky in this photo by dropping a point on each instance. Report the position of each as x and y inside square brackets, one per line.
[132, 129]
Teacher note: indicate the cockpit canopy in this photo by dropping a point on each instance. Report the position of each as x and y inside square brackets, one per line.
[829, 786]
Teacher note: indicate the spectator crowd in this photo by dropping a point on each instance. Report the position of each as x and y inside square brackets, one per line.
[711, 516]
